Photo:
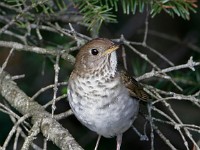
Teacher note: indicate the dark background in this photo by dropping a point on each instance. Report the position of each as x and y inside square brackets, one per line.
[39, 73]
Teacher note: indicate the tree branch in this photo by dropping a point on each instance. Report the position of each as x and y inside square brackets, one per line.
[49, 127]
[35, 49]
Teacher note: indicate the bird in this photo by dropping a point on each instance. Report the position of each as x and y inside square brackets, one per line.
[101, 93]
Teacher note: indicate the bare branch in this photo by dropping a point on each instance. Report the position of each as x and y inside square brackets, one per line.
[6, 61]
[190, 64]
[55, 89]
[21, 14]
[48, 126]
[38, 50]
[32, 135]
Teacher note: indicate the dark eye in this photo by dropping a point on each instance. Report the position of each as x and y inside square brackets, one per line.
[94, 51]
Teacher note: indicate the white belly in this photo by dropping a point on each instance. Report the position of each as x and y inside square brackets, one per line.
[104, 110]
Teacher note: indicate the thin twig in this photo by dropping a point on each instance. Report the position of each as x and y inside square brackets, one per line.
[4, 28]
[45, 144]
[46, 88]
[190, 64]
[13, 130]
[55, 89]
[56, 100]
[146, 26]
[6, 61]
[38, 50]
[167, 142]
[32, 135]
[63, 115]
[16, 138]
[149, 107]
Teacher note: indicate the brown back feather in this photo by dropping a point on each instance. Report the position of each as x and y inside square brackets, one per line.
[135, 89]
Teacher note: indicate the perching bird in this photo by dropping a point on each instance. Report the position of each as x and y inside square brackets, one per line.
[102, 96]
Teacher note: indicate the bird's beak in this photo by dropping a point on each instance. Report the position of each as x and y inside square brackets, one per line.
[110, 50]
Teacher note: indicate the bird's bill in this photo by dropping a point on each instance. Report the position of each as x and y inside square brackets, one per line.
[110, 50]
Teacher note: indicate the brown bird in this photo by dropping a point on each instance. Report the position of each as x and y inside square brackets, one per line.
[103, 97]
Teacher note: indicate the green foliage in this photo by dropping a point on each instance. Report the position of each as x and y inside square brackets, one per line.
[94, 13]
[97, 11]
[128, 6]
[190, 81]
[179, 7]
[64, 90]
[140, 67]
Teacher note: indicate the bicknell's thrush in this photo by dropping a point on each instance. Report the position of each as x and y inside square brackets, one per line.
[102, 96]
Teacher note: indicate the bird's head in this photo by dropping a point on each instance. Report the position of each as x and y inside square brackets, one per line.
[95, 54]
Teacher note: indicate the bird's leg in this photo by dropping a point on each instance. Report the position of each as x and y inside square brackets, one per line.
[97, 144]
[119, 141]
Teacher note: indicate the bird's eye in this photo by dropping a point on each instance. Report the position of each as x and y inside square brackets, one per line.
[94, 51]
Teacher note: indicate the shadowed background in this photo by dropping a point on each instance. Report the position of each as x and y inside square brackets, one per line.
[175, 38]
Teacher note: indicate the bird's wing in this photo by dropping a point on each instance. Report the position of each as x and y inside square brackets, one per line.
[135, 89]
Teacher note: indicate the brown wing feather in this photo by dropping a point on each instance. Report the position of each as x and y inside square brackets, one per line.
[135, 89]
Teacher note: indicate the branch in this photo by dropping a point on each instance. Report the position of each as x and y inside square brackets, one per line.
[35, 49]
[17, 17]
[49, 127]
[190, 64]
